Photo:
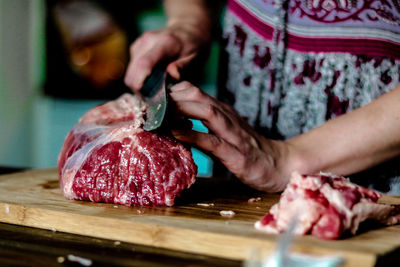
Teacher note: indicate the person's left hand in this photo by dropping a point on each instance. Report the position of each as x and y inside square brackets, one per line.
[254, 159]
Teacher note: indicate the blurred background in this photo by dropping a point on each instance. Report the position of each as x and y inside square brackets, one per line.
[58, 59]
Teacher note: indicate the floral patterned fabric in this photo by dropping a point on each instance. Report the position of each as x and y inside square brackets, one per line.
[322, 71]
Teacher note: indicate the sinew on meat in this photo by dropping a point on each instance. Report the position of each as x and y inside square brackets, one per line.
[326, 206]
[108, 157]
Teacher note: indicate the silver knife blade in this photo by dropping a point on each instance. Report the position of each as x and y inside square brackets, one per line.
[154, 92]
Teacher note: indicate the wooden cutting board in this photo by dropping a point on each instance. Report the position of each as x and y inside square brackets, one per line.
[33, 198]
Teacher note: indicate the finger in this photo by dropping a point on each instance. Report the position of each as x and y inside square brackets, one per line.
[175, 68]
[217, 116]
[146, 55]
[130, 78]
[224, 123]
[215, 120]
[228, 154]
[174, 71]
[136, 50]
[187, 92]
[181, 86]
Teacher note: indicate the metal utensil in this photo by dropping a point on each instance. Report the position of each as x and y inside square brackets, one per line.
[283, 248]
[154, 92]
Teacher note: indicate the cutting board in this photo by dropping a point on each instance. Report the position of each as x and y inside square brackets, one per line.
[34, 199]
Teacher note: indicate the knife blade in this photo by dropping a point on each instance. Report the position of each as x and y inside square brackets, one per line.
[154, 92]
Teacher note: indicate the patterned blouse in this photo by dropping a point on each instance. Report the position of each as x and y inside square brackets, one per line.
[293, 64]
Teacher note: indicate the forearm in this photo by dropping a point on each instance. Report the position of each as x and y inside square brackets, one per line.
[352, 142]
[191, 15]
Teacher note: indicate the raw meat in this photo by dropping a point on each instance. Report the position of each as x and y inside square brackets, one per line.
[326, 206]
[108, 157]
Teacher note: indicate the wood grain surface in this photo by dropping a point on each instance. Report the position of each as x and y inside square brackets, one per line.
[33, 198]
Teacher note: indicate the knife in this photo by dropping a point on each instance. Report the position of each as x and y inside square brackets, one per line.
[154, 92]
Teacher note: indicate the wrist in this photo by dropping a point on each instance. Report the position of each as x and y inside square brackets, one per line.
[282, 161]
[190, 30]
[276, 169]
[286, 157]
[296, 159]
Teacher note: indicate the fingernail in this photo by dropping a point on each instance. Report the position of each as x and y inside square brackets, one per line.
[174, 72]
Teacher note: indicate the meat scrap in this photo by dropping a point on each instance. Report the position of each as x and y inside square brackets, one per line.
[227, 213]
[254, 199]
[108, 157]
[205, 204]
[326, 206]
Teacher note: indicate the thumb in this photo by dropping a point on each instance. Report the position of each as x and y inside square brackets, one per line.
[175, 68]
[174, 71]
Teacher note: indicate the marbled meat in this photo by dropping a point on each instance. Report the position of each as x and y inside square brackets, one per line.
[108, 157]
[326, 206]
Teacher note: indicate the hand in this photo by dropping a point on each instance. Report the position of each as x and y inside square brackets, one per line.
[177, 45]
[255, 160]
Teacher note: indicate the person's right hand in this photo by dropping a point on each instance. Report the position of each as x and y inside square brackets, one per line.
[177, 46]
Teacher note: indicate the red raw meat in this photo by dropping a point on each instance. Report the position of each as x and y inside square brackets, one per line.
[326, 206]
[108, 157]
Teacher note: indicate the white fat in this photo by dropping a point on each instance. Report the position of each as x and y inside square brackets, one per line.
[368, 210]
[254, 199]
[126, 104]
[336, 199]
[227, 213]
[205, 204]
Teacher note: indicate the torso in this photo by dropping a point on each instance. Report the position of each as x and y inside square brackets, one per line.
[337, 55]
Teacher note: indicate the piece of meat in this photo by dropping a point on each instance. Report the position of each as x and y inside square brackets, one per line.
[326, 206]
[108, 157]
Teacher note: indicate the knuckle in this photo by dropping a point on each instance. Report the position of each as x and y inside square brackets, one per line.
[253, 142]
[181, 86]
[195, 92]
[136, 45]
[211, 112]
[168, 38]
[240, 166]
[185, 84]
[143, 63]
[215, 142]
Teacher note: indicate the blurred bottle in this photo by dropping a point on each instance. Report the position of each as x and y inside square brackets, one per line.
[95, 46]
